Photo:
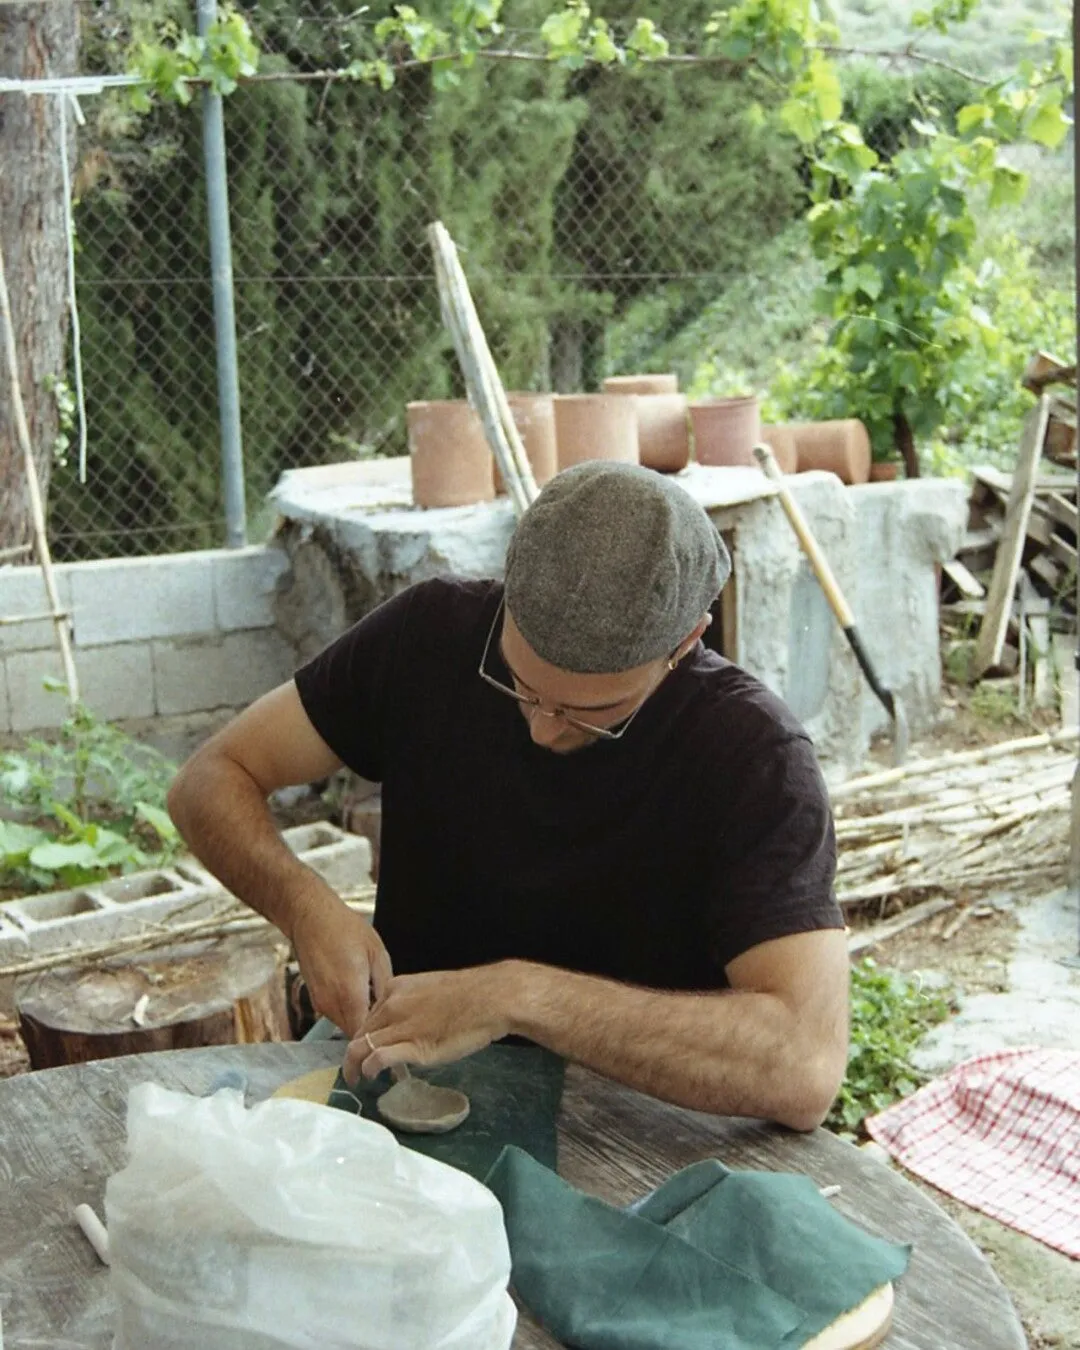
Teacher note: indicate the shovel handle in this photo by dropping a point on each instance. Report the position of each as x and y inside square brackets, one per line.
[818, 561]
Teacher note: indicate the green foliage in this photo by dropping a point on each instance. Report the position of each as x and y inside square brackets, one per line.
[883, 103]
[222, 58]
[978, 400]
[92, 803]
[890, 1014]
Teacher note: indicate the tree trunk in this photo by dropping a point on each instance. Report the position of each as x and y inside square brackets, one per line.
[36, 40]
[905, 443]
[222, 992]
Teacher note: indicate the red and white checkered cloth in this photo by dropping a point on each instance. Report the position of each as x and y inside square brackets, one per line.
[1001, 1132]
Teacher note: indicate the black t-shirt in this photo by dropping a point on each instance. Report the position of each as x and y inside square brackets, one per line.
[655, 859]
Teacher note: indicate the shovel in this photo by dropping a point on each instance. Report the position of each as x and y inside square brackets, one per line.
[839, 606]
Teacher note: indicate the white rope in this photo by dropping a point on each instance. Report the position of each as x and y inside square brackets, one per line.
[69, 223]
[69, 84]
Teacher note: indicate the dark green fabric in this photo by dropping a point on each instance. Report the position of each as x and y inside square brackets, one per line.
[514, 1093]
[713, 1258]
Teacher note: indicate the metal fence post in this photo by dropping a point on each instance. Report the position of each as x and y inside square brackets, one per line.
[217, 203]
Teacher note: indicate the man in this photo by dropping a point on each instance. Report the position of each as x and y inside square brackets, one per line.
[597, 834]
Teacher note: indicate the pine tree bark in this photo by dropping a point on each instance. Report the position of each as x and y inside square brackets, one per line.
[36, 40]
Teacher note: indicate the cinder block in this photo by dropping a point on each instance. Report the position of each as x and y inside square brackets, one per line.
[65, 921]
[244, 583]
[115, 682]
[22, 591]
[132, 599]
[31, 706]
[226, 672]
[342, 860]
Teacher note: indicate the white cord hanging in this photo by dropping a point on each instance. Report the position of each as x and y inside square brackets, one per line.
[73, 304]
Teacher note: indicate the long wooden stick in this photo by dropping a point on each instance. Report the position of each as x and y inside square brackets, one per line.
[37, 509]
[482, 381]
[856, 787]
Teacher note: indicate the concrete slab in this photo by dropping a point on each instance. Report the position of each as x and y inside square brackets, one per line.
[904, 531]
[1041, 1006]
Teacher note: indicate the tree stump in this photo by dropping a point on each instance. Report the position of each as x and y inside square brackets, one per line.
[224, 991]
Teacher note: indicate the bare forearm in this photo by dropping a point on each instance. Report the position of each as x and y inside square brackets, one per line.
[730, 1053]
[224, 818]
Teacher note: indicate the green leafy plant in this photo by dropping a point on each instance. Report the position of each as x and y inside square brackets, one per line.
[890, 1014]
[92, 804]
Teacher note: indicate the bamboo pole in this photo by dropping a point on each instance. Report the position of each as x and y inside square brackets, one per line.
[37, 508]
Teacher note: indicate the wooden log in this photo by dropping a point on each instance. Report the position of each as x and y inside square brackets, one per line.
[222, 992]
[991, 641]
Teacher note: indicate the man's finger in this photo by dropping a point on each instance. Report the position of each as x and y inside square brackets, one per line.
[365, 1059]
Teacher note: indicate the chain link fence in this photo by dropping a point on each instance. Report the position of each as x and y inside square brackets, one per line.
[597, 213]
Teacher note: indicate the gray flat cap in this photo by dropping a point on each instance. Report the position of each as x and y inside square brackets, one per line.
[611, 567]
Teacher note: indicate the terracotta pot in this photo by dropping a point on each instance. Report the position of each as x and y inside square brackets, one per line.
[595, 426]
[641, 384]
[663, 425]
[534, 418]
[450, 459]
[781, 440]
[841, 447]
[884, 471]
[726, 430]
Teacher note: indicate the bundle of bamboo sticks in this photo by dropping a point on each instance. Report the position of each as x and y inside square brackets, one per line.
[961, 826]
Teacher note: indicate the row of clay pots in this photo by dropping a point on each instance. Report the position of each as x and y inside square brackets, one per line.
[637, 419]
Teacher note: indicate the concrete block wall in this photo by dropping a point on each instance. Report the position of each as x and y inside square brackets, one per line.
[152, 637]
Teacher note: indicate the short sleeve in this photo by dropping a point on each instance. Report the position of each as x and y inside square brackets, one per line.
[774, 864]
[347, 689]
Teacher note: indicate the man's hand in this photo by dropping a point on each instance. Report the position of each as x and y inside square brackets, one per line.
[433, 1018]
[342, 959]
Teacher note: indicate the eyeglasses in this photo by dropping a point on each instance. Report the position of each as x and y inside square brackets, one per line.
[534, 703]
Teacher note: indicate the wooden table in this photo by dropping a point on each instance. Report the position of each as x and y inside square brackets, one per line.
[62, 1133]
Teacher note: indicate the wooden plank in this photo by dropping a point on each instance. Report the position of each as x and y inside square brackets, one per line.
[1064, 648]
[1039, 527]
[861, 940]
[965, 582]
[1063, 551]
[1042, 687]
[1044, 567]
[1062, 510]
[1048, 480]
[993, 629]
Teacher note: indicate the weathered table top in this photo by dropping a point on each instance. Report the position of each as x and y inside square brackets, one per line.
[62, 1134]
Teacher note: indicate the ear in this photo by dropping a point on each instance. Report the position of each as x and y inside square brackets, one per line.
[688, 641]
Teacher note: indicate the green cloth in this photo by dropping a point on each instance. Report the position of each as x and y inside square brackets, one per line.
[514, 1093]
[713, 1258]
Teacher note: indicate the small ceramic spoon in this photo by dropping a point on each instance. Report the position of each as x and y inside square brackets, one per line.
[418, 1107]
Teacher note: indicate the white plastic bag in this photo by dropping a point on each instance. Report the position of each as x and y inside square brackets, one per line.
[292, 1225]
